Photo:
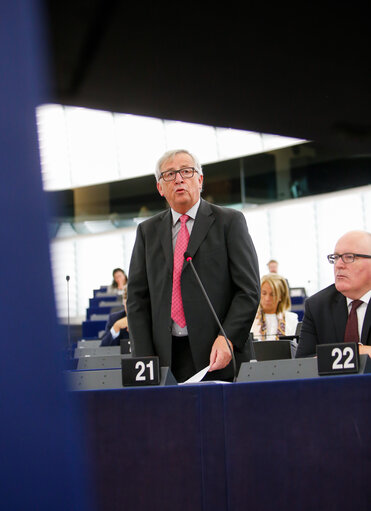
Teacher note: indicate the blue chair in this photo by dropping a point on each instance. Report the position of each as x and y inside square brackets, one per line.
[91, 329]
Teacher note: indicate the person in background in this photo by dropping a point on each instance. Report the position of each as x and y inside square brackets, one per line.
[168, 315]
[272, 266]
[116, 327]
[273, 317]
[341, 312]
[119, 283]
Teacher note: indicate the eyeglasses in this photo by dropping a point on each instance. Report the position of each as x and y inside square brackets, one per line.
[346, 258]
[185, 172]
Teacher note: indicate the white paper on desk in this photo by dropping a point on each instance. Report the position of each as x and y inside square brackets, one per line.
[196, 378]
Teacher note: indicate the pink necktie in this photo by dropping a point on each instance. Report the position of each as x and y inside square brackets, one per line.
[351, 329]
[177, 311]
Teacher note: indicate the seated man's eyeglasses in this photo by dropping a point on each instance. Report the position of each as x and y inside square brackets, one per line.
[346, 258]
[185, 172]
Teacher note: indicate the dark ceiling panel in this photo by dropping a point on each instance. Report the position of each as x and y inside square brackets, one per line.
[304, 75]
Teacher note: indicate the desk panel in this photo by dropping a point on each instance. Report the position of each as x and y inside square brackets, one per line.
[298, 444]
[148, 447]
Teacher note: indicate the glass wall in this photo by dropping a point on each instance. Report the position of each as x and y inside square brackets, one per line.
[299, 233]
[298, 196]
[83, 147]
[299, 171]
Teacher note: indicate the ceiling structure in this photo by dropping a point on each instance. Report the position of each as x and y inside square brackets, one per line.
[292, 73]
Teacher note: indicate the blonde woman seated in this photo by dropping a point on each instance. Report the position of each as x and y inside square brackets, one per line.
[273, 317]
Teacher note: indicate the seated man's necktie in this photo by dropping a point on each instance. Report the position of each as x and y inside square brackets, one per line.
[351, 329]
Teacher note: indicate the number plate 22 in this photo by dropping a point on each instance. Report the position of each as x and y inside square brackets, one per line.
[339, 358]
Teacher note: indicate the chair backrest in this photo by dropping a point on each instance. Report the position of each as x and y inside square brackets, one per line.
[272, 350]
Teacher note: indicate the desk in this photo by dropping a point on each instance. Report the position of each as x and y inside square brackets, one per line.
[284, 445]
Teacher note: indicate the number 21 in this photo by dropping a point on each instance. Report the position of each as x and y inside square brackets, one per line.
[142, 367]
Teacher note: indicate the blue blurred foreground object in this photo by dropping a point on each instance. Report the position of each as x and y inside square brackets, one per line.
[42, 462]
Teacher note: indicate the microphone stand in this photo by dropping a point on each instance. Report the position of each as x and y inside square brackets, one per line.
[68, 315]
[188, 258]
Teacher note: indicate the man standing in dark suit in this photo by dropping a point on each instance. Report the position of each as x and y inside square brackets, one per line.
[167, 312]
[328, 313]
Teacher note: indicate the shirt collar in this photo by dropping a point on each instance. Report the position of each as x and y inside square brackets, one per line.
[191, 212]
[365, 298]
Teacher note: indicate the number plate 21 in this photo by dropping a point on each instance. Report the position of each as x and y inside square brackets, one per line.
[140, 371]
[340, 358]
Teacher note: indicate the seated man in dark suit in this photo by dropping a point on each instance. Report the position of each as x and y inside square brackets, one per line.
[342, 311]
[116, 329]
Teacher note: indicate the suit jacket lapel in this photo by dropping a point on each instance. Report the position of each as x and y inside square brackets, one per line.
[204, 219]
[365, 335]
[164, 233]
[339, 315]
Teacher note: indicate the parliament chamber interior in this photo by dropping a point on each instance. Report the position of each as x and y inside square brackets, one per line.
[93, 93]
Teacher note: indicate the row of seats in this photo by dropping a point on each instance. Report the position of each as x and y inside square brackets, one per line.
[102, 304]
[87, 354]
[90, 360]
[298, 296]
[100, 307]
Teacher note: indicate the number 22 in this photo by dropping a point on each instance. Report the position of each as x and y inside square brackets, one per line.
[338, 353]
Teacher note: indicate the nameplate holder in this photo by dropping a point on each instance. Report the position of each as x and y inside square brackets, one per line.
[271, 370]
[140, 371]
[125, 346]
[337, 358]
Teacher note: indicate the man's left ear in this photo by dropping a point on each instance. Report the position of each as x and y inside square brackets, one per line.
[159, 188]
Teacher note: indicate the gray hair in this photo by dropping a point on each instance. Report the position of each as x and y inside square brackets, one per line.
[169, 155]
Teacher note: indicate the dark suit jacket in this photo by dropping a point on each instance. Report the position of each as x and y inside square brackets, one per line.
[324, 321]
[225, 259]
[107, 339]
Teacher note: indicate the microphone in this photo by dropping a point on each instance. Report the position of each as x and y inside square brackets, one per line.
[188, 258]
[68, 315]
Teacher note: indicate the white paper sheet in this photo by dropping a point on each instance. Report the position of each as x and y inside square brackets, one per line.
[196, 378]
